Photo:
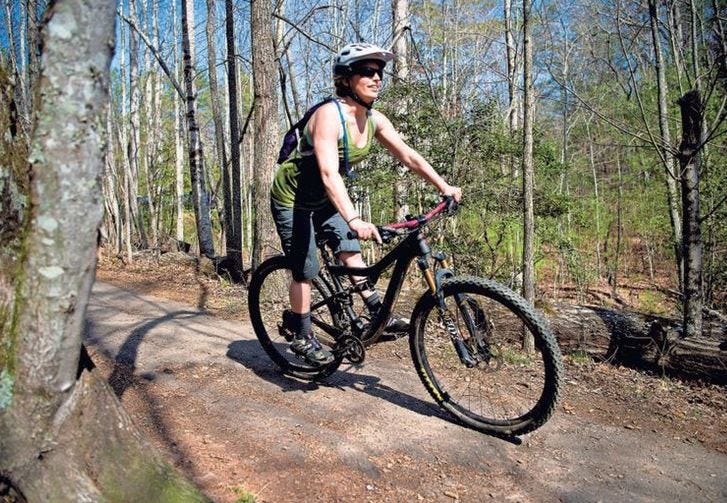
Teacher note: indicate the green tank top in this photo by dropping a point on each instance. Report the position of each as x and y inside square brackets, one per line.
[297, 182]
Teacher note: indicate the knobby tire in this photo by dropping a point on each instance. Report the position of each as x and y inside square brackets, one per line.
[513, 392]
[267, 298]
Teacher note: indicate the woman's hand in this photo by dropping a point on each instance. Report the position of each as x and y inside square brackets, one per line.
[364, 230]
[455, 192]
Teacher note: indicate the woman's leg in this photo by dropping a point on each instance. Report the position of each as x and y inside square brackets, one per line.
[300, 296]
[396, 324]
[296, 234]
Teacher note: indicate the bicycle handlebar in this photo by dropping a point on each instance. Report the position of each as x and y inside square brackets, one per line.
[448, 203]
[388, 232]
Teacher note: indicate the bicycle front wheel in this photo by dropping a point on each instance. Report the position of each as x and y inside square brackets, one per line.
[470, 356]
[268, 299]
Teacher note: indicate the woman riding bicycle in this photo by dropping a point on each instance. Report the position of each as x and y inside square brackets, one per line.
[308, 194]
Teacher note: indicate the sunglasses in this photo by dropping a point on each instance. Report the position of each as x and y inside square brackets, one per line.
[366, 71]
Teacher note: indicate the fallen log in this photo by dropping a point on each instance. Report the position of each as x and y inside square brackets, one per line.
[642, 340]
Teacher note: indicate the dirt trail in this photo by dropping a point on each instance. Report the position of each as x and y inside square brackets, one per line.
[212, 400]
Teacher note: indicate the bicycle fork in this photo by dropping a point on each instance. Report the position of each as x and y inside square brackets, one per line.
[435, 286]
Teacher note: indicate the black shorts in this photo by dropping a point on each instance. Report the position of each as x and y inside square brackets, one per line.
[296, 229]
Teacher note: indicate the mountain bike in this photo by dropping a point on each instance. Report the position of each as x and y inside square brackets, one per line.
[466, 335]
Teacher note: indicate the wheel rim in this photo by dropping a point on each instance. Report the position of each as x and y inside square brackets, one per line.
[508, 386]
[273, 300]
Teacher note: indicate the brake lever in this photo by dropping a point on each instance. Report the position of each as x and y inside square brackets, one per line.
[452, 205]
[386, 234]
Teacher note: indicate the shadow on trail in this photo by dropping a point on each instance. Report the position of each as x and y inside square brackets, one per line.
[122, 374]
[122, 377]
[251, 355]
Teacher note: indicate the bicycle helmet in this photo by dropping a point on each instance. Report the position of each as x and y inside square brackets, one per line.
[345, 63]
[359, 51]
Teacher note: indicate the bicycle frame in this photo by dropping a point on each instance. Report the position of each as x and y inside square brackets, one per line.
[400, 257]
[413, 246]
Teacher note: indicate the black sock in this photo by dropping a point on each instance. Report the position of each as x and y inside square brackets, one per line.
[300, 323]
[373, 303]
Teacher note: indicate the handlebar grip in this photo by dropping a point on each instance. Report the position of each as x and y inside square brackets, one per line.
[386, 234]
[452, 204]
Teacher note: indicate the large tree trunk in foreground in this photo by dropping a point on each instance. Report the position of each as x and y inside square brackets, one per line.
[63, 434]
[642, 340]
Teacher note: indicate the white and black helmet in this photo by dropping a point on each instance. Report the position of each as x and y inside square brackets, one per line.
[359, 51]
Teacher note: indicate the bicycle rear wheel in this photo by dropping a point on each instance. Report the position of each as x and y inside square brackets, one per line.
[496, 387]
[268, 299]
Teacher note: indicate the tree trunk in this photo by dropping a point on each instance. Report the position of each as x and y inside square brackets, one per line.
[63, 434]
[113, 223]
[178, 138]
[614, 271]
[18, 85]
[23, 66]
[694, 22]
[295, 93]
[400, 48]
[135, 123]
[153, 107]
[641, 340]
[666, 157]
[266, 125]
[221, 152]
[689, 160]
[234, 169]
[672, 10]
[512, 105]
[32, 18]
[282, 51]
[597, 206]
[528, 171]
[194, 146]
[123, 139]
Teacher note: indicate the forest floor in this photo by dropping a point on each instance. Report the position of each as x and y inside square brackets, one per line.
[213, 403]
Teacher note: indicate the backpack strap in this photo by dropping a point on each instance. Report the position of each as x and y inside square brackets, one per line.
[291, 140]
[346, 167]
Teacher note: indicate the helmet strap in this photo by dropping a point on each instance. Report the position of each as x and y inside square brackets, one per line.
[358, 100]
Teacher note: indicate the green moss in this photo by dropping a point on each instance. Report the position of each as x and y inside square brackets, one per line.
[580, 358]
[6, 389]
[516, 357]
[243, 495]
[14, 219]
[144, 480]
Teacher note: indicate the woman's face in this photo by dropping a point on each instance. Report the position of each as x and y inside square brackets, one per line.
[366, 80]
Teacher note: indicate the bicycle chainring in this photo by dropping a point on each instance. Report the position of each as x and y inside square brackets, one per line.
[354, 350]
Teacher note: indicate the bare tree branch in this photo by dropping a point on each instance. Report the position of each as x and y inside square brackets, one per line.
[658, 145]
[155, 52]
[301, 31]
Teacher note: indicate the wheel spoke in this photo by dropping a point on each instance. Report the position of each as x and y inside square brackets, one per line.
[268, 299]
[507, 390]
